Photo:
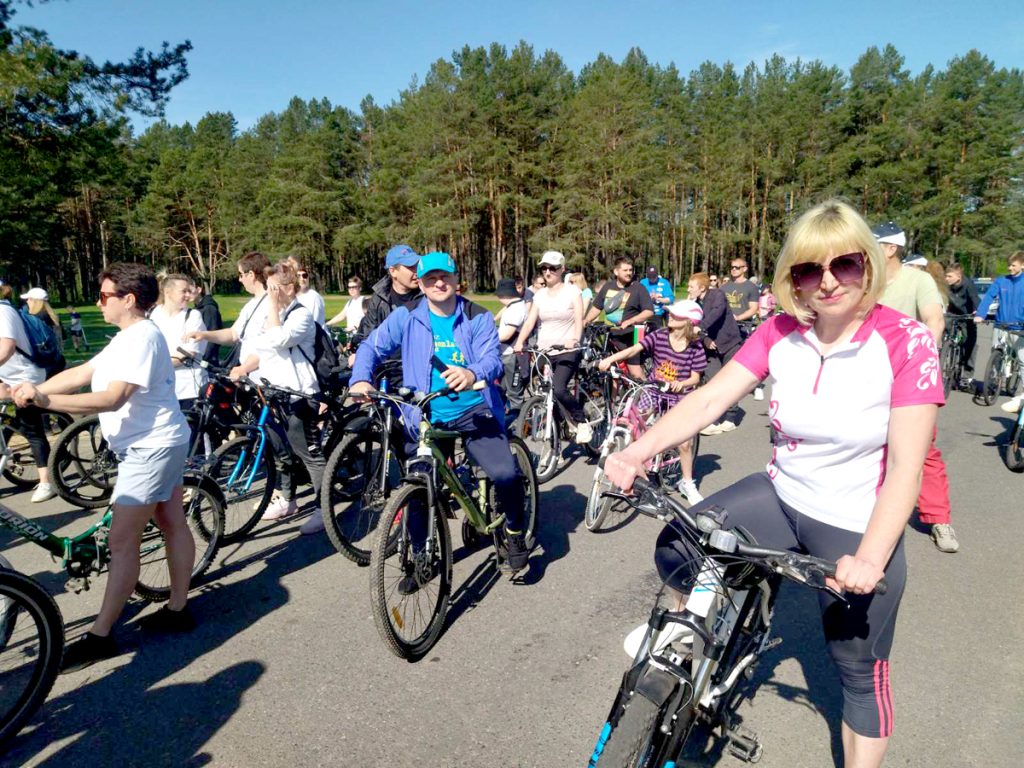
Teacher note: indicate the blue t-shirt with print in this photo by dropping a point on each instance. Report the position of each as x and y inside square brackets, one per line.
[448, 352]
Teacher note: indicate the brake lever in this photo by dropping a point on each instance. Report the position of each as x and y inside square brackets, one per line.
[815, 577]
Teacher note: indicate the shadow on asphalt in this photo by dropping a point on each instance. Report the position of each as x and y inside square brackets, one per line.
[126, 717]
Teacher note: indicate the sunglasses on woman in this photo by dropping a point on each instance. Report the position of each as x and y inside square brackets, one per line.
[106, 295]
[807, 276]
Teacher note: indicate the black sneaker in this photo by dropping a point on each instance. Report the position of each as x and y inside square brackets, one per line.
[167, 621]
[86, 651]
[518, 554]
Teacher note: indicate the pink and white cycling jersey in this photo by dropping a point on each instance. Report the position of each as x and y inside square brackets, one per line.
[831, 413]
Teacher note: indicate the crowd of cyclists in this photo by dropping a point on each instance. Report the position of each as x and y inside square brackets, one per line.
[847, 335]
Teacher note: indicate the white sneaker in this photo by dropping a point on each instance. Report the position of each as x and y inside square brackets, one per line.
[43, 492]
[689, 489]
[584, 434]
[280, 509]
[726, 426]
[759, 393]
[672, 633]
[712, 429]
[314, 524]
[1010, 406]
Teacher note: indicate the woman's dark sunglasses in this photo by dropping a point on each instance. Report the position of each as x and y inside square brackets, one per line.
[807, 277]
[549, 268]
[104, 296]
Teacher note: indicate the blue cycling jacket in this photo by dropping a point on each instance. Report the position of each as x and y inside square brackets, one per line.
[1010, 292]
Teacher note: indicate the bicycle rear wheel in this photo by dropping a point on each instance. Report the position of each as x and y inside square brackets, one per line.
[1013, 450]
[993, 384]
[353, 495]
[83, 469]
[531, 507]
[31, 651]
[532, 428]
[204, 515]
[410, 582]
[234, 464]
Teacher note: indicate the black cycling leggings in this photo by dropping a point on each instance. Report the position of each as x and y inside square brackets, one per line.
[563, 368]
[30, 421]
[858, 636]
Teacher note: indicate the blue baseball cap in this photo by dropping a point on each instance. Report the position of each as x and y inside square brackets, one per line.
[401, 254]
[436, 260]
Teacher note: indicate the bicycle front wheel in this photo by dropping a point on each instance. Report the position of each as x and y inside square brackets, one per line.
[598, 506]
[634, 740]
[204, 516]
[83, 469]
[948, 359]
[356, 487]
[541, 438]
[993, 385]
[410, 576]
[1013, 450]
[31, 651]
[247, 478]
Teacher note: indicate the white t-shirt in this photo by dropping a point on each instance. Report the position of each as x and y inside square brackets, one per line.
[249, 323]
[831, 414]
[512, 316]
[188, 380]
[556, 316]
[314, 302]
[151, 418]
[281, 362]
[18, 367]
[354, 313]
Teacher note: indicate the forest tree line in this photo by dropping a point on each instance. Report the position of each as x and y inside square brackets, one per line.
[497, 156]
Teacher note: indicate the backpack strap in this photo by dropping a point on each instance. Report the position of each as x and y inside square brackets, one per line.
[287, 312]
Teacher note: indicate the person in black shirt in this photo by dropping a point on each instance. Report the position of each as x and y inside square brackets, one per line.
[721, 339]
[963, 300]
[210, 312]
[625, 304]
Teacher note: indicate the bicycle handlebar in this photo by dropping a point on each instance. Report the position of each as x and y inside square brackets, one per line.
[650, 500]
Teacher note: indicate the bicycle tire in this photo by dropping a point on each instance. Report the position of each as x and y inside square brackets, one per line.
[524, 462]
[597, 507]
[32, 651]
[351, 499]
[992, 385]
[947, 365]
[20, 468]
[1013, 450]
[204, 515]
[634, 739]
[83, 469]
[531, 426]
[596, 411]
[243, 508]
[409, 624]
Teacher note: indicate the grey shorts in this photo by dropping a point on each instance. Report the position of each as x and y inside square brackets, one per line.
[149, 475]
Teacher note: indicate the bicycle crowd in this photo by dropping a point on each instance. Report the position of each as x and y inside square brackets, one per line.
[426, 404]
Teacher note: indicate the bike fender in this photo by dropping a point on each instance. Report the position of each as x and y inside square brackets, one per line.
[656, 685]
[208, 484]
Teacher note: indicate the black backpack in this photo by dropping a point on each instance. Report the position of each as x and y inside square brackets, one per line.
[326, 361]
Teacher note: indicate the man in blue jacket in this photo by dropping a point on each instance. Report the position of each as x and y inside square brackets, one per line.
[447, 341]
[661, 293]
[1009, 289]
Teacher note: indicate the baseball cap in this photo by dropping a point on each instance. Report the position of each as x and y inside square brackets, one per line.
[652, 272]
[685, 309]
[916, 260]
[554, 258]
[36, 293]
[506, 288]
[890, 232]
[401, 254]
[436, 260]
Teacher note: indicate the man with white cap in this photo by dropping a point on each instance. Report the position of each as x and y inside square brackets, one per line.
[913, 292]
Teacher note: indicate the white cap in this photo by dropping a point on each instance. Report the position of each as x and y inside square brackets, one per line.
[685, 309]
[554, 258]
[916, 260]
[36, 293]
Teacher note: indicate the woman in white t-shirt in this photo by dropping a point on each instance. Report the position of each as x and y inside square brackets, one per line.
[557, 311]
[133, 393]
[175, 319]
[285, 347]
[305, 294]
[353, 312]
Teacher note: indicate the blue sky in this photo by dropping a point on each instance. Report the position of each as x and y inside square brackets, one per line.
[251, 56]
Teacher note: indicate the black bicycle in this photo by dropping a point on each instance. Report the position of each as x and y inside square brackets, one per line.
[689, 665]
[951, 354]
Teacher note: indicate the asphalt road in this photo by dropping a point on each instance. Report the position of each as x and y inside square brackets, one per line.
[286, 667]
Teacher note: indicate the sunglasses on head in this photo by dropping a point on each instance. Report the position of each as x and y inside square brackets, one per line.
[807, 277]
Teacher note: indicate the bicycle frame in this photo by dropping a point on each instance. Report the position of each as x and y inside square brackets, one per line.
[80, 555]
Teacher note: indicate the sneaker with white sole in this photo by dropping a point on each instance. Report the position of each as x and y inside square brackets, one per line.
[280, 509]
[314, 524]
[43, 492]
[1010, 406]
[584, 434]
[759, 393]
[672, 633]
[726, 426]
[712, 429]
[945, 538]
[689, 489]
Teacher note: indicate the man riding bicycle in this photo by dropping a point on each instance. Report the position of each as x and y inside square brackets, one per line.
[448, 341]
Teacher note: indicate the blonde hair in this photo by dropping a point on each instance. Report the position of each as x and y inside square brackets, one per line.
[690, 331]
[579, 281]
[938, 274]
[39, 306]
[830, 227]
[284, 271]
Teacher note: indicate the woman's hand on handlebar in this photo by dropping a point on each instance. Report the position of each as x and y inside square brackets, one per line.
[237, 373]
[605, 364]
[624, 467]
[26, 394]
[855, 575]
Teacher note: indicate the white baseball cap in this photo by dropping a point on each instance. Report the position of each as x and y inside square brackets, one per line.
[36, 293]
[554, 258]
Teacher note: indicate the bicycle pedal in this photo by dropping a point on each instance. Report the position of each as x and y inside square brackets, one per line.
[744, 744]
[77, 584]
